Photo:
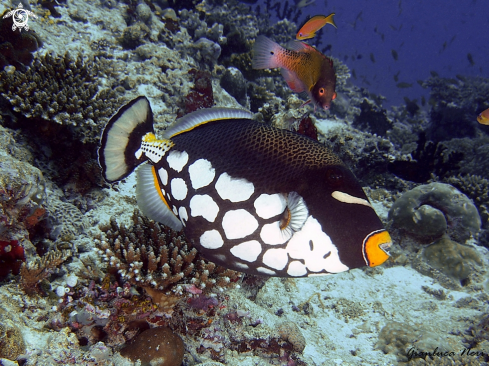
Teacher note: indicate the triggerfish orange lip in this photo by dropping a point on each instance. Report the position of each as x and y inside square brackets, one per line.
[375, 247]
[483, 118]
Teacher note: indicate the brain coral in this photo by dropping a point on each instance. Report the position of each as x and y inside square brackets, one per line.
[451, 258]
[156, 347]
[429, 211]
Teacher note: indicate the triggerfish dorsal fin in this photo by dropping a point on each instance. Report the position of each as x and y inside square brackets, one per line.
[121, 138]
[202, 116]
[151, 200]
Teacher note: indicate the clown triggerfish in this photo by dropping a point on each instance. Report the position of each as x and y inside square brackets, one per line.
[249, 196]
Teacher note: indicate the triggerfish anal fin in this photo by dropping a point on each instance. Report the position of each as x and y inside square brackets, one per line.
[121, 138]
[314, 24]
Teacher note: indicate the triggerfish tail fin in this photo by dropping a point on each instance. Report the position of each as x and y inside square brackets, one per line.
[121, 138]
[151, 199]
[314, 24]
[266, 54]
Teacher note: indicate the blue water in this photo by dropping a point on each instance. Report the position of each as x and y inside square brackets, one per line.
[417, 30]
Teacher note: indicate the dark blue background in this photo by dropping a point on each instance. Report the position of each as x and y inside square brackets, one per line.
[416, 29]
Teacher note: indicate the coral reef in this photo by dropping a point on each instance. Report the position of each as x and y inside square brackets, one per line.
[455, 102]
[163, 348]
[289, 331]
[372, 119]
[364, 153]
[453, 259]
[429, 211]
[11, 257]
[64, 90]
[306, 127]
[22, 194]
[153, 256]
[65, 221]
[134, 35]
[34, 272]
[11, 340]
[478, 333]
[235, 84]
[477, 189]
[397, 338]
[104, 312]
[428, 159]
[201, 94]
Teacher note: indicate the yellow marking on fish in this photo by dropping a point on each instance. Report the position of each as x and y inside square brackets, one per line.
[156, 184]
[375, 248]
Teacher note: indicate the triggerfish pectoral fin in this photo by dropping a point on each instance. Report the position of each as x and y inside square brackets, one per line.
[375, 247]
[151, 200]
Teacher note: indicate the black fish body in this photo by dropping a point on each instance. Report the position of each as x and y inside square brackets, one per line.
[251, 197]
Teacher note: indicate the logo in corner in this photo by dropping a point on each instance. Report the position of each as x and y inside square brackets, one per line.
[20, 16]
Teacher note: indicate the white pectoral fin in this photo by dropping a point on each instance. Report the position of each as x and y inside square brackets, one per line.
[151, 200]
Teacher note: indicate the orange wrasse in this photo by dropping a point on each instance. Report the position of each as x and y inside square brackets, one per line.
[311, 26]
[483, 117]
[305, 69]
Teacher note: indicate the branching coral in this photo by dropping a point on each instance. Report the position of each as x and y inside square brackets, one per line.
[151, 255]
[32, 273]
[62, 89]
